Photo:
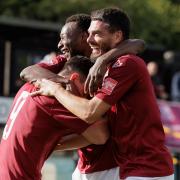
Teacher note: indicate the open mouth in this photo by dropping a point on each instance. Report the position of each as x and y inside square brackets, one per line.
[95, 50]
[94, 47]
[64, 51]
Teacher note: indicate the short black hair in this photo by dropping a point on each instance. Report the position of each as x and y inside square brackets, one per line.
[115, 17]
[80, 64]
[83, 20]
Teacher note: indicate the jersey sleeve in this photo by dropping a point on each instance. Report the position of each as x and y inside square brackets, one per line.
[119, 79]
[67, 119]
[54, 65]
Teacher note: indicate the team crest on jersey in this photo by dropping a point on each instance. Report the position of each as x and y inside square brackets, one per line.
[108, 85]
[118, 63]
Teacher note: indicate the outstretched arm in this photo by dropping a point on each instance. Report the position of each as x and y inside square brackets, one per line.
[97, 72]
[87, 110]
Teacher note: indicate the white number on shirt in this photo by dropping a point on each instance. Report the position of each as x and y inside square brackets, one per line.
[17, 107]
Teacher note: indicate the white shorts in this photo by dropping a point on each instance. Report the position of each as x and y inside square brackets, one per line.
[110, 174]
[171, 177]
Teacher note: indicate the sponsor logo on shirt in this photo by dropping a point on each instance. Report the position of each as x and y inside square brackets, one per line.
[108, 85]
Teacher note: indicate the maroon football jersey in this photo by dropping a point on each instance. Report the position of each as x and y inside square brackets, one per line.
[34, 127]
[137, 132]
[95, 158]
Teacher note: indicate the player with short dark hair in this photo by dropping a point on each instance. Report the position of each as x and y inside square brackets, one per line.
[116, 20]
[83, 21]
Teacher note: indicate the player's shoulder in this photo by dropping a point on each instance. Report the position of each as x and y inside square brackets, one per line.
[44, 101]
[58, 59]
[54, 60]
[27, 87]
[127, 60]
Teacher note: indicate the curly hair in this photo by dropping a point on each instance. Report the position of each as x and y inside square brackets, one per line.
[83, 21]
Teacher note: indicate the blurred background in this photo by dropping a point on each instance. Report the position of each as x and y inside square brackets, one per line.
[29, 32]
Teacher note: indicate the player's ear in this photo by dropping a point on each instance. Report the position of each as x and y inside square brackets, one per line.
[118, 36]
[85, 36]
[74, 76]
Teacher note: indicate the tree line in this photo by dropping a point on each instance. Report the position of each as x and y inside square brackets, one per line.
[155, 21]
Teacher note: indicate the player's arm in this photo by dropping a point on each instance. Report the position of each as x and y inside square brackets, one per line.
[129, 46]
[72, 142]
[87, 110]
[44, 69]
[96, 73]
[35, 72]
[97, 133]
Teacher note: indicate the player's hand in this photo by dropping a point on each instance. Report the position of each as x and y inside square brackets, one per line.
[95, 77]
[46, 87]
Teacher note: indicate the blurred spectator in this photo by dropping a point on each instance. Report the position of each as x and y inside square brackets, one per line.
[156, 80]
[169, 67]
[175, 87]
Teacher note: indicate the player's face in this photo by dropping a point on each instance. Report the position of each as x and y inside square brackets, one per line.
[70, 42]
[100, 38]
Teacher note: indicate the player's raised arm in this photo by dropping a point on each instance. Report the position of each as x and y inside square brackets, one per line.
[97, 72]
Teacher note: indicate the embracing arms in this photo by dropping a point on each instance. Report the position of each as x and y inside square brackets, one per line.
[97, 72]
[87, 110]
[97, 133]
[94, 79]
[35, 72]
